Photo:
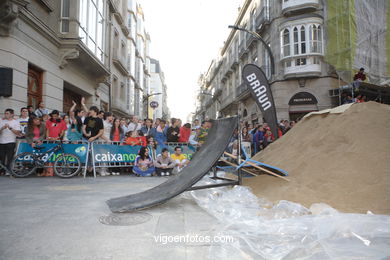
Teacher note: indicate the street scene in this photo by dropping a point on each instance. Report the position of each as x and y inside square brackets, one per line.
[226, 129]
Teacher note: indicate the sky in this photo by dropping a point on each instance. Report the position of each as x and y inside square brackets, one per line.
[186, 35]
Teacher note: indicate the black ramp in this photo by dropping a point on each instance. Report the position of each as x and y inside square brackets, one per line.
[218, 139]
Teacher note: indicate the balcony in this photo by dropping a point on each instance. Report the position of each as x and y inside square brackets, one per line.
[242, 90]
[250, 40]
[262, 19]
[120, 62]
[233, 62]
[299, 6]
[76, 52]
[302, 67]
[119, 107]
[242, 50]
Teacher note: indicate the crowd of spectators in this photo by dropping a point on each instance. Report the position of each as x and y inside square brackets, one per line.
[35, 126]
[259, 136]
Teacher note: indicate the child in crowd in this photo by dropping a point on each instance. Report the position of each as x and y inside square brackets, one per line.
[143, 165]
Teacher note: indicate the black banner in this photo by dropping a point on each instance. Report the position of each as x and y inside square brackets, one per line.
[258, 85]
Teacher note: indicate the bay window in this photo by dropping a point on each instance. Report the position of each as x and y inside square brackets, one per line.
[301, 45]
[92, 25]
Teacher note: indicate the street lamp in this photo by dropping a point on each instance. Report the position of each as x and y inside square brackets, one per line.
[147, 101]
[257, 36]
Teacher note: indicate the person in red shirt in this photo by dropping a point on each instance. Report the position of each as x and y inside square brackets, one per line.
[360, 75]
[55, 126]
[134, 139]
[55, 130]
[185, 132]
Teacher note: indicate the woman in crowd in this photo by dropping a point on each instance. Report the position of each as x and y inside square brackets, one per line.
[161, 134]
[164, 163]
[35, 134]
[185, 132]
[245, 136]
[68, 125]
[117, 134]
[74, 132]
[143, 165]
[36, 131]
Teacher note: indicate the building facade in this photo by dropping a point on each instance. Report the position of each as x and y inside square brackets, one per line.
[60, 51]
[293, 29]
[158, 87]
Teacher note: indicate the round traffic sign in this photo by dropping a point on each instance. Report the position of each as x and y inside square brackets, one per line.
[154, 104]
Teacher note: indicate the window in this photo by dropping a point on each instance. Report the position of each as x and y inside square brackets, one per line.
[65, 6]
[92, 25]
[315, 35]
[267, 63]
[286, 43]
[300, 62]
[305, 39]
[296, 41]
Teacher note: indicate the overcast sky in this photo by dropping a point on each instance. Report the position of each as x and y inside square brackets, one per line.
[185, 37]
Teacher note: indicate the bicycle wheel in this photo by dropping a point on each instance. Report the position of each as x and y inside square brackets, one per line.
[23, 165]
[67, 165]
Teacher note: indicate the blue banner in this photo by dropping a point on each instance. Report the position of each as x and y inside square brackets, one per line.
[109, 153]
[78, 149]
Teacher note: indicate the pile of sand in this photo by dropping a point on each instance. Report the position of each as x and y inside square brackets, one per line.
[339, 159]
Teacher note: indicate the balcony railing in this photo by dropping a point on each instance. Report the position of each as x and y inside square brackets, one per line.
[241, 89]
[262, 18]
[298, 5]
[120, 62]
[242, 50]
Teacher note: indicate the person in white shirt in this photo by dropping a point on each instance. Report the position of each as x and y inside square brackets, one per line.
[134, 125]
[107, 125]
[9, 130]
[23, 121]
[41, 110]
[193, 140]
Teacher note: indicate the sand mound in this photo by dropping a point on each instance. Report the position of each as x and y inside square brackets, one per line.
[340, 159]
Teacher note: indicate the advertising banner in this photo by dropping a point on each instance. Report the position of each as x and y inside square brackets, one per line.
[109, 153]
[258, 85]
[78, 149]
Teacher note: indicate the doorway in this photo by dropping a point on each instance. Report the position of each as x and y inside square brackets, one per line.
[34, 87]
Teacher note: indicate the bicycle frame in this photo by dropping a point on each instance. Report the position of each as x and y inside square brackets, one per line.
[49, 154]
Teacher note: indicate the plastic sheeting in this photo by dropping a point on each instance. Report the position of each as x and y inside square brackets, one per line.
[358, 36]
[288, 230]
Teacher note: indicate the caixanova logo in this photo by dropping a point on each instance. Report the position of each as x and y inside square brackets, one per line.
[115, 157]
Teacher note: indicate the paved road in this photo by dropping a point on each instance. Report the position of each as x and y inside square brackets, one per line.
[53, 218]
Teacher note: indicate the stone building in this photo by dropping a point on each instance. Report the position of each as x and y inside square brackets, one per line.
[293, 29]
[59, 51]
[157, 85]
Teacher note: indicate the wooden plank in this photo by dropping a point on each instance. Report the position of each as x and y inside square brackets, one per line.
[235, 165]
[258, 167]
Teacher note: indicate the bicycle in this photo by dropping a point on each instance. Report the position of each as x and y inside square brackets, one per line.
[65, 165]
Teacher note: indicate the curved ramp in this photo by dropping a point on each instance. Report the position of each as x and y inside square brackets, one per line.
[218, 139]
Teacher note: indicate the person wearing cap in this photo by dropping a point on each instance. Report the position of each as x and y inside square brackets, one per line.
[55, 130]
[55, 126]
